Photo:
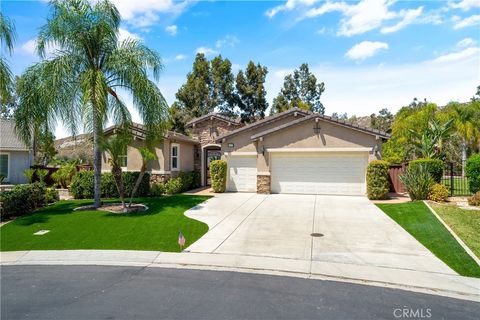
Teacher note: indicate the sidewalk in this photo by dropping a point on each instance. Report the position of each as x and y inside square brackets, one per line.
[425, 282]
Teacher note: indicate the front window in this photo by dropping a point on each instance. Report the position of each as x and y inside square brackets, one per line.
[123, 161]
[4, 166]
[175, 157]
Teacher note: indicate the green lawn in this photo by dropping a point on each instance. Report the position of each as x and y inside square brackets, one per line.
[417, 220]
[465, 223]
[460, 185]
[154, 229]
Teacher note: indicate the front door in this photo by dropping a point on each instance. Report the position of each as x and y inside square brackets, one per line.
[211, 154]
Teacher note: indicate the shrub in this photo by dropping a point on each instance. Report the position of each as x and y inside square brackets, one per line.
[63, 176]
[173, 186]
[418, 181]
[51, 195]
[186, 180]
[472, 171]
[82, 185]
[475, 199]
[22, 199]
[218, 175]
[41, 174]
[433, 166]
[438, 193]
[28, 173]
[377, 180]
[157, 189]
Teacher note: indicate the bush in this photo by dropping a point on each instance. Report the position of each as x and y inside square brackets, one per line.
[475, 199]
[173, 186]
[418, 182]
[157, 189]
[218, 175]
[51, 195]
[472, 171]
[82, 185]
[438, 193]
[377, 180]
[433, 166]
[22, 199]
[63, 176]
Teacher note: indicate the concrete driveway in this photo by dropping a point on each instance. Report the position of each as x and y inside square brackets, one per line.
[355, 232]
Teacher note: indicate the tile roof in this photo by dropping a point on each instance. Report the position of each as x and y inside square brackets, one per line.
[139, 131]
[215, 115]
[9, 140]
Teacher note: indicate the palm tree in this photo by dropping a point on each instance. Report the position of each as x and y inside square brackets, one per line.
[80, 84]
[147, 156]
[7, 39]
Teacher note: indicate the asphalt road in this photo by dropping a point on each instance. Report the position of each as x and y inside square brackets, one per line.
[94, 292]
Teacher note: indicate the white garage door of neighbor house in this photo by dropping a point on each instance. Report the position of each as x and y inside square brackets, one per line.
[324, 173]
[242, 174]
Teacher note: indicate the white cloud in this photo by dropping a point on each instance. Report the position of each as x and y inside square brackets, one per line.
[229, 41]
[179, 57]
[172, 30]
[465, 4]
[288, 6]
[144, 13]
[124, 34]
[206, 51]
[458, 56]
[465, 43]
[467, 22]
[29, 47]
[408, 17]
[365, 49]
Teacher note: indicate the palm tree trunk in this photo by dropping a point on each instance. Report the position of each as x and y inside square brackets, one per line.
[97, 162]
[464, 155]
[117, 175]
[137, 184]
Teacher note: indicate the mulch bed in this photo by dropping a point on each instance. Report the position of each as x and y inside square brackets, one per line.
[114, 208]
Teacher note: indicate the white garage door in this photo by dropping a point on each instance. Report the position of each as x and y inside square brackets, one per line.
[325, 173]
[242, 174]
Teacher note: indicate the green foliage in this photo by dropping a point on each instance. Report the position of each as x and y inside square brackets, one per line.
[300, 90]
[377, 180]
[173, 186]
[82, 185]
[2, 177]
[45, 144]
[63, 176]
[472, 171]
[41, 174]
[438, 193]
[157, 189]
[393, 152]
[383, 121]
[29, 173]
[418, 181]
[177, 118]
[433, 166]
[23, 199]
[7, 39]
[251, 94]
[51, 195]
[218, 174]
[474, 200]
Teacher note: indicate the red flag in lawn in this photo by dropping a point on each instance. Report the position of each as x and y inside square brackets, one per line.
[181, 239]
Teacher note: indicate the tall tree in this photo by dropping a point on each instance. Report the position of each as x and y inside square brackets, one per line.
[300, 90]
[7, 39]
[194, 97]
[251, 93]
[80, 83]
[223, 95]
[383, 121]
[177, 118]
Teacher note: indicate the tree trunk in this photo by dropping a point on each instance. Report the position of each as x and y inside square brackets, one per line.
[137, 184]
[117, 176]
[97, 161]
[464, 155]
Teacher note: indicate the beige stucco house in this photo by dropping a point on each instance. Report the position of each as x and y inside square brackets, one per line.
[292, 152]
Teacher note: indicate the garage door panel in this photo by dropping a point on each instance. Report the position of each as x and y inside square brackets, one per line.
[315, 174]
[242, 174]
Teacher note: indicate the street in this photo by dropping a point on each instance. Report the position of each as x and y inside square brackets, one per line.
[98, 292]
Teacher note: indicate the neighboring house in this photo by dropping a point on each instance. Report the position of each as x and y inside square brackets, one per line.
[292, 152]
[15, 156]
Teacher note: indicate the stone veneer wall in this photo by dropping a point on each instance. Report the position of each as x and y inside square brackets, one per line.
[156, 177]
[263, 184]
[208, 130]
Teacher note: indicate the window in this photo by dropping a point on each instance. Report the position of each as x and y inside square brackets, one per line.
[123, 161]
[4, 164]
[174, 155]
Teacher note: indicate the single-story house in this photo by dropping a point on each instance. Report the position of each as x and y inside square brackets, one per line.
[15, 156]
[296, 151]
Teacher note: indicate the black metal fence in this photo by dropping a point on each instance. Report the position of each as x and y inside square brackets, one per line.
[455, 181]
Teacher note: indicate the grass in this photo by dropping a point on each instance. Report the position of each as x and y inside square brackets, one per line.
[417, 220]
[460, 186]
[155, 229]
[465, 223]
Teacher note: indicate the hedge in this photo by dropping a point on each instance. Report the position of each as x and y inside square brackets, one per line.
[26, 198]
[433, 166]
[377, 180]
[83, 182]
[218, 175]
[472, 171]
[185, 181]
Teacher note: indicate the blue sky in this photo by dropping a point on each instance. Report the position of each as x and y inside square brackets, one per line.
[370, 54]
